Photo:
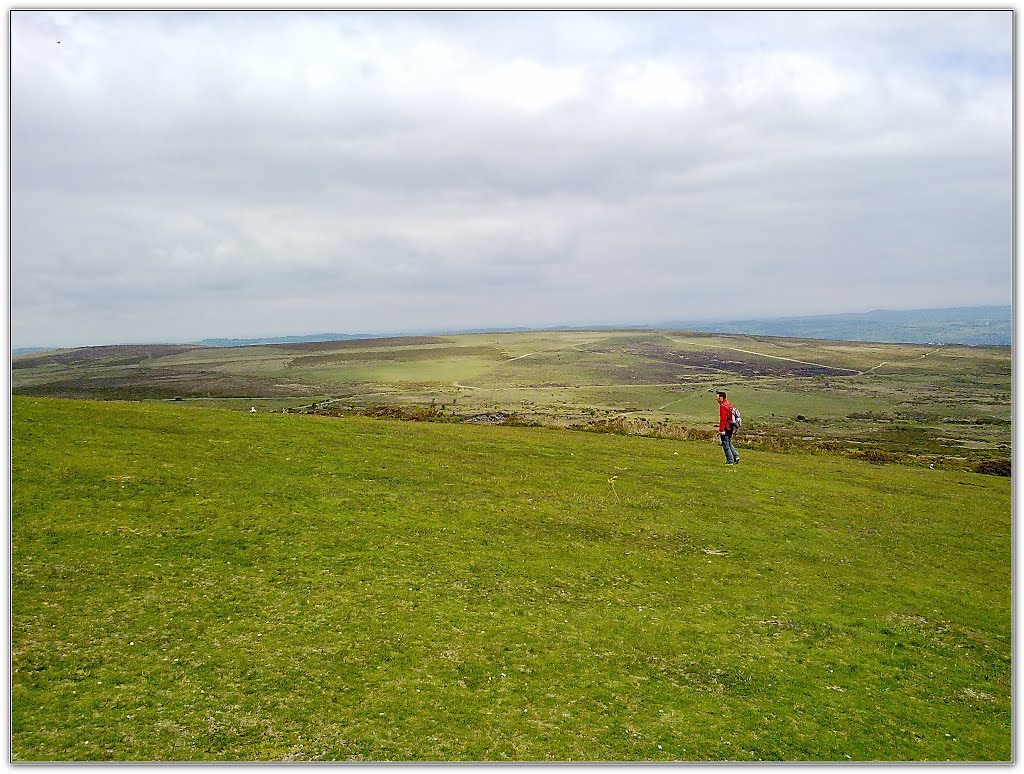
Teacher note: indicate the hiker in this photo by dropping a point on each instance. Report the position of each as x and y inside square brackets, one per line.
[725, 428]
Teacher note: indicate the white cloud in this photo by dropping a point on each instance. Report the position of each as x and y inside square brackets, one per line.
[657, 85]
[523, 85]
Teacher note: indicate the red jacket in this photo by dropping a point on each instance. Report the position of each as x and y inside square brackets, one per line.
[724, 416]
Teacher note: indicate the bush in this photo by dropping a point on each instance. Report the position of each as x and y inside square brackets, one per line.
[878, 457]
[431, 413]
[622, 425]
[994, 468]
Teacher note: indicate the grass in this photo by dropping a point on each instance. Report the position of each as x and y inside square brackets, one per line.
[200, 584]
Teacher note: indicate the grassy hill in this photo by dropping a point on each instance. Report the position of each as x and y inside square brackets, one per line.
[194, 583]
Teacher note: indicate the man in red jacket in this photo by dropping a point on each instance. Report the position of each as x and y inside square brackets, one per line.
[725, 428]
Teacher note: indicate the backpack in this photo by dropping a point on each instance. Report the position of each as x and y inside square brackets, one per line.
[735, 420]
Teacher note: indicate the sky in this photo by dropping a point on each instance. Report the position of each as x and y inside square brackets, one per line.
[179, 175]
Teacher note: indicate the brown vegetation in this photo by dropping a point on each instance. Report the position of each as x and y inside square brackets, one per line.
[118, 354]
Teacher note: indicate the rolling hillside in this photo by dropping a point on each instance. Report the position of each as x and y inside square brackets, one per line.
[937, 405]
[193, 583]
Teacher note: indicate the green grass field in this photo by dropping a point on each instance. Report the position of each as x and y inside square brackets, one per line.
[198, 584]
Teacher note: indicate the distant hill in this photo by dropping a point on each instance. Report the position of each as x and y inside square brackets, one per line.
[977, 325]
[287, 339]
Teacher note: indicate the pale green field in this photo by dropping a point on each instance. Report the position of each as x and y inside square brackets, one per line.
[413, 374]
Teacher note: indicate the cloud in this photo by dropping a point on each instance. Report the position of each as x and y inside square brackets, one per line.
[287, 172]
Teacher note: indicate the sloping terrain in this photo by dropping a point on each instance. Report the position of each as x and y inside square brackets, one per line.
[199, 584]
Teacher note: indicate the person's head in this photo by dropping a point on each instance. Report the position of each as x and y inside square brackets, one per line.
[719, 396]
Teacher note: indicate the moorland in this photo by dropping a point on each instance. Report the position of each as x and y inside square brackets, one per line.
[939, 405]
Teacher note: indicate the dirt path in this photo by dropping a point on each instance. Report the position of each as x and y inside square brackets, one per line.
[557, 349]
[886, 362]
[773, 357]
[347, 397]
[531, 354]
[662, 408]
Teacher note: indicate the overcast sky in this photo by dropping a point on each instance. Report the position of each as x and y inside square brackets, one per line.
[182, 175]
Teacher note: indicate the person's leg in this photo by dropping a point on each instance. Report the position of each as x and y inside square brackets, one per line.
[727, 447]
[730, 452]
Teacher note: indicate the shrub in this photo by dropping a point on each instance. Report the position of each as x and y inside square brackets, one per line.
[430, 413]
[877, 457]
[994, 468]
